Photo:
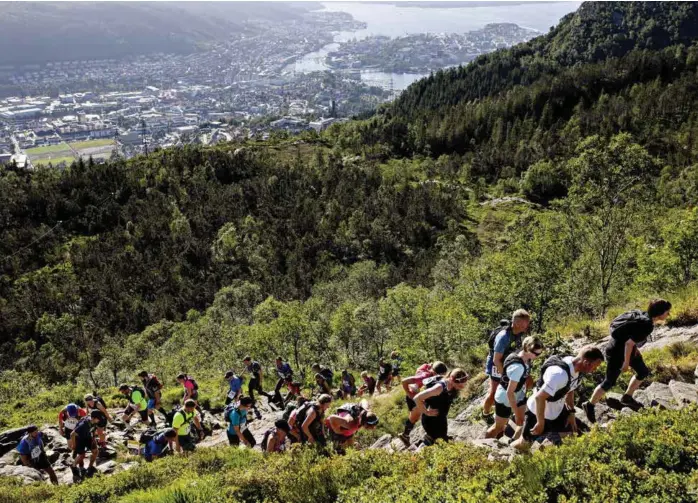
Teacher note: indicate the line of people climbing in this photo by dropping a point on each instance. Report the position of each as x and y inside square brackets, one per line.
[429, 394]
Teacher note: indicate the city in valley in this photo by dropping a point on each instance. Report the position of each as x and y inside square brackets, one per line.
[54, 112]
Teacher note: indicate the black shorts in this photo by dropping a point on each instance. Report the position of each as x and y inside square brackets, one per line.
[384, 378]
[186, 443]
[130, 410]
[558, 425]
[234, 440]
[504, 411]
[436, 427]
[67, 432]
[83, 445]
[42, 462]
[614, 366]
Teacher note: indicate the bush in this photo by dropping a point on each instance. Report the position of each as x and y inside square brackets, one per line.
[544, 181]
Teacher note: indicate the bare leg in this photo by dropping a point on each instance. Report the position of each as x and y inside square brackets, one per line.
[633, 385]
[489, 401]
[598, 394]
[500, 423]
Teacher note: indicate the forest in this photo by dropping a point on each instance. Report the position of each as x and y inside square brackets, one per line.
[559, 176]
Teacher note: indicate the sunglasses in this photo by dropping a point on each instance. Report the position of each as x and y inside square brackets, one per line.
[461, 380]
[537, 353]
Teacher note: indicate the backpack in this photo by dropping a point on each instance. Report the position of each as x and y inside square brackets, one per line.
[169, 417]
[431, 381]
[511, 359]
[148, 435]
[193, 381]
[289, 410]
[228, 409]
[503, 325]
[629, 318]
[354, 409]
[556, 361]
[303, 412]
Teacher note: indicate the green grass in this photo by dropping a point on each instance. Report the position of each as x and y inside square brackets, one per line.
[54, 160]
[101, 142]
[49, 149]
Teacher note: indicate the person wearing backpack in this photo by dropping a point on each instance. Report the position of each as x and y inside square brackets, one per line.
[397, 364]
[323, 387]
[369, 385]
[255, 384]
[308, 420]
[136, 403]
[68, 419]
[629, 332]
[550, 409]
[32, 454]
[191, 391]
[349, 419]
[503, 340]
[511, 392]
[153, 389]
[97, 403]
[235, 382]
[181, 422]
[385, 375]
[83, 441]
[412, 385]
[275, 438]
[347, 387]
[326, 372]
[434, 403]
[284, 373]
[155, 446]
[236, 416]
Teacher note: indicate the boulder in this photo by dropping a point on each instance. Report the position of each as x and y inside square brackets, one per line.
[683, 393]
[384, 442]
[26, 474]
[9, 439]
[463, 432]
[656, 395]
[107, 467]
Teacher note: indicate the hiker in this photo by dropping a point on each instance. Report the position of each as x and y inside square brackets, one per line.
[235, 381]
[137, 403]
[294, 391]
[629, 332]
[255, 370]
[434, 403]
[397, 365]
[550, 409]
[325, 371]
[191, 391]
[349, 418]
[153, 390]
[32, 454]
[285, 374]
[503, 341]
[155, 447]
[369, 385]
[275, 438]
[290, 414]
[68, 419]
[323, 388]
[308, 420]
[96, 403]
[511, 392]
[412, 385]
[83, 441]
[347, 388]
[236, 416]
[385, 374]
[181, 421]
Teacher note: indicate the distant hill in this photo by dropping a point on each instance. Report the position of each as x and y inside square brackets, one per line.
[54, 31]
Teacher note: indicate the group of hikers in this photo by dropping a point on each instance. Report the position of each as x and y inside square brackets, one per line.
[429, 393]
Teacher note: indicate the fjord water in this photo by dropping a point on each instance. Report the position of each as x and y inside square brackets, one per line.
[396, 20]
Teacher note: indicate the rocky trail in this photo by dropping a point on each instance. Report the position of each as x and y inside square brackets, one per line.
[466, 426]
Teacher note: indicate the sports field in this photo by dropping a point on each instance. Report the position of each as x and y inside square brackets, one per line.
[56, 154]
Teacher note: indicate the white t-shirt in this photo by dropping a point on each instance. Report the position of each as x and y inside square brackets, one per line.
[515, 371]
[554, 379]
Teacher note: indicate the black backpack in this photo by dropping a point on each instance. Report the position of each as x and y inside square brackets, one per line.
[556, 361]
[511, 359]
[503, 324]
[629, 318]
[148, 435]
[354, 409]
[169, 417]
[228, 409]
[193, 381]
[303, 412]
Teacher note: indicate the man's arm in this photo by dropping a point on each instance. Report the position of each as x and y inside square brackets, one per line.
[26, 460]
[104, 410]
[242, 438]
[541, 398]
[306, 426]
[271, 443]
[569, 403]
